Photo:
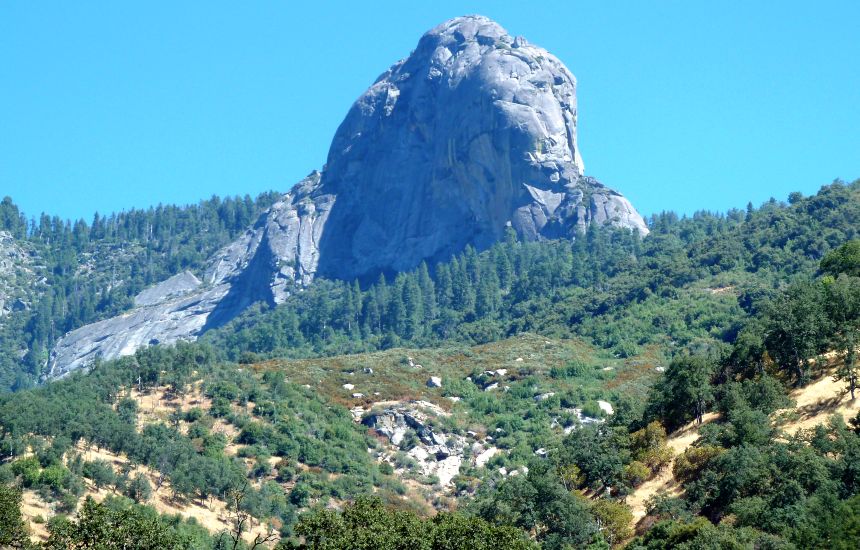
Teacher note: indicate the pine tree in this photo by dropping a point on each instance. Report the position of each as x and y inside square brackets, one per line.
[504, 268]
[396, 307]
[357, 302]
[413, 313]
[470, 264]
[488, 297]
[463, 294]
[428, 294]
[380, 298]
[444, 286]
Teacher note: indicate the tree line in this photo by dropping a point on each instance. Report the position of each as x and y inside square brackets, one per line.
[607, 285]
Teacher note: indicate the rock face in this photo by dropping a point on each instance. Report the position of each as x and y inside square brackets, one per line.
[471, 134]
[436, 453]
[279, 252]
[178, 285]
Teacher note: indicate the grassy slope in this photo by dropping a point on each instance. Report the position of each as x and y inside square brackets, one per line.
[529, 360]
[523, 356]
[814, 404]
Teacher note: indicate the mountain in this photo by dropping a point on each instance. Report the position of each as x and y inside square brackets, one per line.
[695, 388]
[472, 134]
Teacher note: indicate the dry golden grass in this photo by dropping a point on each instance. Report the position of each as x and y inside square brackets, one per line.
[814, 404]
[664, 482]
[32, 506]
[818, 401]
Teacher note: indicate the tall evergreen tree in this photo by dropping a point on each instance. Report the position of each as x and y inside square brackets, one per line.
[413, 303]
[428, 294]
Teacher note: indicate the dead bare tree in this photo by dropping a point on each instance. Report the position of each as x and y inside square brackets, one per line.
[260, 539]
[239, 520]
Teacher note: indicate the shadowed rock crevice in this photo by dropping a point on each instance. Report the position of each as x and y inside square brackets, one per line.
[254, 284]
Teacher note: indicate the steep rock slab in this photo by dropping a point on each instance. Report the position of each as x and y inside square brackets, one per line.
[178, 285]
[265, 264]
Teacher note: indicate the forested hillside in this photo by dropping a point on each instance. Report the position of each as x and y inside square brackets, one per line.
[520, 394]
[608, 286]
[81, 272]
[678, 288]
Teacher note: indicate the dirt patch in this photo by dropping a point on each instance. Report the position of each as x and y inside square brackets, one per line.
[664, 482]
[32, 506]
[818, 401]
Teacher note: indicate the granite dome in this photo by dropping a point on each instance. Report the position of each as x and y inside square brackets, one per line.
[473, 133]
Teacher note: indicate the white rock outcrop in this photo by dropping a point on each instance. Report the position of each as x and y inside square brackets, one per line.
[436, 453]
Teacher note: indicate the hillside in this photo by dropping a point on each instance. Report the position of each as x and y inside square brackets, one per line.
[527, 368]
[213, 515]
[664, 483]
[234, 418]
[440, 426]
[812, 405]
[613, 290]
[58, 275]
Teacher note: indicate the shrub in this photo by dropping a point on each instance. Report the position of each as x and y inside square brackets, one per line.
[193, 414]
[614, 519]
[100, 472]
[592, 410]
[139, 488]
[693, 460]
[636, 473]
[648, 446]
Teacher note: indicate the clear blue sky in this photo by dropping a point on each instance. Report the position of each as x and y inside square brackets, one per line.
[684, 105]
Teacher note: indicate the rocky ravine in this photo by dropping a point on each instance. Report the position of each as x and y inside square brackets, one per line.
[474, 132]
